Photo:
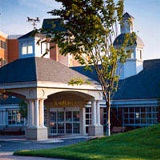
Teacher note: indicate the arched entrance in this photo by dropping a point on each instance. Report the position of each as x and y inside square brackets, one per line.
[66, 113]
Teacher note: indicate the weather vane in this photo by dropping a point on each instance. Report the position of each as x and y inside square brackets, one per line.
[33, 21]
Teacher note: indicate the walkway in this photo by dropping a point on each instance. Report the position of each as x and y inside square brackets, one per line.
[9, 144]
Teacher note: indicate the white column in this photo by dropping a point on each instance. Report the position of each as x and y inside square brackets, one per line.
[41, 113]
[36, 113]
[30, 114]
[98, 113]
[93, 105]
[83, 120]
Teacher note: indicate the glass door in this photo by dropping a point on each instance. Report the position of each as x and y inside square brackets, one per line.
[64, 121]
[53, 122]
[61, 121]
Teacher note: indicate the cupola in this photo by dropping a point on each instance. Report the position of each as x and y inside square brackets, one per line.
[134, 62]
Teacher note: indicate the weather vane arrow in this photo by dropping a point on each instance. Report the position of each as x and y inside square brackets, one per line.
[34, 21]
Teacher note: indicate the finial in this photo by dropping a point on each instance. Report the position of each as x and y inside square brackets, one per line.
[34, 21]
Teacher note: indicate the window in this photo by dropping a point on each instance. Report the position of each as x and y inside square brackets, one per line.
[3, 44]
[30, 48]
[27, 48]
[140, 54]
[15, 118]
[88, 115]
[2, 62]
[140, 116]
[24, 48]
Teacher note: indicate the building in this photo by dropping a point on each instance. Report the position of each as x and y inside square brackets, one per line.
[3, 49]
[78, 110]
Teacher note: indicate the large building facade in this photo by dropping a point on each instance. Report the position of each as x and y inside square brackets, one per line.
[56, 108]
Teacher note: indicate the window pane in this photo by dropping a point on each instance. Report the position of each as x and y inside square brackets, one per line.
[30, 48]
[76, 128]
[24, 48]
[76, 116]
[68, 127]
[60, 116]
[69, 116]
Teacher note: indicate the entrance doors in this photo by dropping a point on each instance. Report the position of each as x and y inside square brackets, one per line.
[64, 121]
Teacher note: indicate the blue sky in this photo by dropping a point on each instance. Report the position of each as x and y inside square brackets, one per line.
[14, 13]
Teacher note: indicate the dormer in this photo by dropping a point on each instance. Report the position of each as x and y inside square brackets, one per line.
[33, 45]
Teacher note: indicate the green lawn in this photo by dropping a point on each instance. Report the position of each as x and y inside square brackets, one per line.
[140, 144]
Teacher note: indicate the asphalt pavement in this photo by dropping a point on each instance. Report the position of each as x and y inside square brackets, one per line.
[10, 144]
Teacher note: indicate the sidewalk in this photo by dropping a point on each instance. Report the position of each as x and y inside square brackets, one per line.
[9, 156]
[9, 144]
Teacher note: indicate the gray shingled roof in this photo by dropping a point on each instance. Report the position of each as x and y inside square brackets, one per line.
[145, 85]
[37, 69]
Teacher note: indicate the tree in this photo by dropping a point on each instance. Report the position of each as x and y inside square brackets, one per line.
[90, 30]
[23, 109]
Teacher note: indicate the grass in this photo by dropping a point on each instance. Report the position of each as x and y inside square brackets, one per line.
[140, 144]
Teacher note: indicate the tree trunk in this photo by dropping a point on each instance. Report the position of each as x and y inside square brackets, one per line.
[108, 116]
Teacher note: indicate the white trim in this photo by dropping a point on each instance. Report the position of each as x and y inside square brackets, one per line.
[131, 102]
[47, 84]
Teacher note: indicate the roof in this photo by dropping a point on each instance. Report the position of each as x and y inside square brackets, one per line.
[14, 36]
[38, 69]
[127, 15]
[91, 74]
[52, 24]
[31, 34]
[120, 40]
[145, 85]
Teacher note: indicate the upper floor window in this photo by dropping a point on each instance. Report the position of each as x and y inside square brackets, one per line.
[140, 54]
[44, 48]
[3, 44]
[27, 48]
[2, 62]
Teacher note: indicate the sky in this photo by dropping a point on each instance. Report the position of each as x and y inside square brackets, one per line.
[14, 13]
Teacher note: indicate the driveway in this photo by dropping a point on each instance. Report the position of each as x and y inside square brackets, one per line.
[9, 144]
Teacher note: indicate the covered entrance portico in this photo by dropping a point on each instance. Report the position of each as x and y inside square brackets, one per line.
[66, 112]
[64, 103]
